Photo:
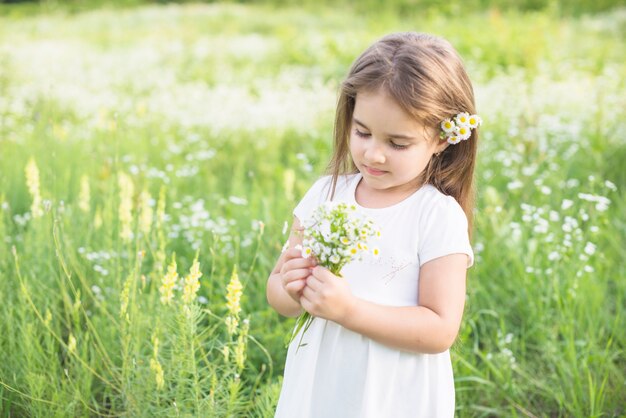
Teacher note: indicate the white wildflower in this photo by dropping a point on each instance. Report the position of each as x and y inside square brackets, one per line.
[610, 185]
[462, 119]
[590, 248]
[335, 234]
[566, 204]
[448, 126]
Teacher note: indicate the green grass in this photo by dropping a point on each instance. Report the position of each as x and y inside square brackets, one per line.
[212, 109]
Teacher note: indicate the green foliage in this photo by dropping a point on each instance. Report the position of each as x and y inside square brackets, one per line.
[223, 113]
[399, 7]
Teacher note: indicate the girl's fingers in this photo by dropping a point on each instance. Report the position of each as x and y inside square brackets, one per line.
[305, 301]
[322, 274]
[313, 283]
[298, 274]
[293, 253]
[295, 286]
[296, 263]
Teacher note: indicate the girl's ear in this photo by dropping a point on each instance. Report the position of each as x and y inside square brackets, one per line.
[441, 146]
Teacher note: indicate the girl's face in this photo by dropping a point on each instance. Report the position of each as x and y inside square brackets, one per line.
[388, 146]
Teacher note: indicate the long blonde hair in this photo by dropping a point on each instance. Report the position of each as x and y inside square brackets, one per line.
[426, 76]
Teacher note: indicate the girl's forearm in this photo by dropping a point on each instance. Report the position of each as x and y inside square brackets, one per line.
[279, 299]
[412, 328]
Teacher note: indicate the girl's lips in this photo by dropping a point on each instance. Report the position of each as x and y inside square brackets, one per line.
[373, 171]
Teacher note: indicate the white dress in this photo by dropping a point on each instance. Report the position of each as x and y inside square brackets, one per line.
[342, 374]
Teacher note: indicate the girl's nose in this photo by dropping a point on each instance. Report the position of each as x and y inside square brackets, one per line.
[374, 154]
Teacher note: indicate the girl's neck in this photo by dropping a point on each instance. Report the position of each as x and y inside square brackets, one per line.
[368, 197]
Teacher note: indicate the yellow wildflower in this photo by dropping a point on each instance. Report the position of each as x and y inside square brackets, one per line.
[97, 219]
[84, 197]
[156, 367]
[71, 344]
[77, 302]
[145, 217]
[233, 297]
[232, 322]
[32, 181]
[191, 282]
[168, 283]
[125, 211]
[48, 317]
[240, 348]
[125, 296]
[140, 108]
[59, 131]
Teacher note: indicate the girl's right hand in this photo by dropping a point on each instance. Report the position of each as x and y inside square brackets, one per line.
[294, 272]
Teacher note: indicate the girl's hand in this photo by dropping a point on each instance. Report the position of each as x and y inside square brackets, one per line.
[327, 296]
[294, 271]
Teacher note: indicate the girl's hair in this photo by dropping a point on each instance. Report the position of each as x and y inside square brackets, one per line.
[426, 77]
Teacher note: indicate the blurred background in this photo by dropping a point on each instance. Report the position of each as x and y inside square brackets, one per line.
[151, 154]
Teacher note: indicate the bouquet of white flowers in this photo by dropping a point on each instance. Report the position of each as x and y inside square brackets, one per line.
[335, 235]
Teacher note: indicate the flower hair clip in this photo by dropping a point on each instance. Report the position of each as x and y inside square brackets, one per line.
[459, 128]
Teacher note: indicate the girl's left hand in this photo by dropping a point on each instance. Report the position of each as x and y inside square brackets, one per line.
[327, 296]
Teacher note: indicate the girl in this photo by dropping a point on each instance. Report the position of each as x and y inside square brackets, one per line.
[404, 152]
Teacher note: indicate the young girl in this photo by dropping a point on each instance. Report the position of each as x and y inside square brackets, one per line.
[405, 146]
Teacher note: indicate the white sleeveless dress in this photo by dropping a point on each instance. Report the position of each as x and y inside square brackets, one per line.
[342, 374]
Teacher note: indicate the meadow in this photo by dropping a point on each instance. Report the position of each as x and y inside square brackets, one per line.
[150, 158]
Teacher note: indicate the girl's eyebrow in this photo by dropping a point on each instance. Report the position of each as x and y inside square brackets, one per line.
[397, 136]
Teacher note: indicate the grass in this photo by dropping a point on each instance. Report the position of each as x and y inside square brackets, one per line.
[222, 114]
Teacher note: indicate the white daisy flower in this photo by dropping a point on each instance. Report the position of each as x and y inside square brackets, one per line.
[448, 126]
[454, 139]
[306, 252]
[474, 121]
[462, 119]
[463, 132]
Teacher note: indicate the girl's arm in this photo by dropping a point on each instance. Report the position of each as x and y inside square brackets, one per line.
[288, 278]
[430, 327]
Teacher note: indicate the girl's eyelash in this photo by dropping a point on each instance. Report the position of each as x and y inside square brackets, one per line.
[392, 144]
[361, 134]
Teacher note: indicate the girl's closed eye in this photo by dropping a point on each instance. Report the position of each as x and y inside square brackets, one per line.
[397, 146]
[362, 134]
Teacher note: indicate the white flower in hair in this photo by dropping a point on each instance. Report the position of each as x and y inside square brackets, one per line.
[454, 139]
[459, 127]
[448, 126]
[462, 119]
[474, 121]
[463, 132]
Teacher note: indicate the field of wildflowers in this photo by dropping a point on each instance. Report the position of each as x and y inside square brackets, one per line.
[150, 158]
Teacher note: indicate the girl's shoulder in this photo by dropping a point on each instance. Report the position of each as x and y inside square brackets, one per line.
[433, 198]
[436, 206]
[442, 227]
